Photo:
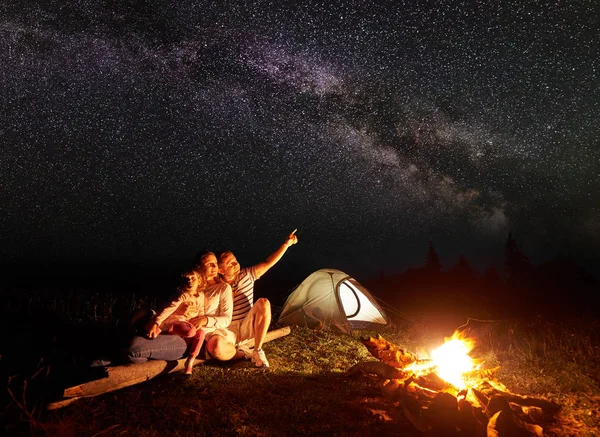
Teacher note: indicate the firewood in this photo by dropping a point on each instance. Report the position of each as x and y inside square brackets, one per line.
[549, 407]
[382, 370]
[131, 374]
[442, 416]
[471, 420]
[482, 399]
[392, 390]
[420, 392]
[412, 411]
[388, 352]
[505, 424]
[534, 414]
[432, 381]
[436, 407]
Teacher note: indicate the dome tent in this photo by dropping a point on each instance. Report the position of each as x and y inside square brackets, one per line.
[331, 299]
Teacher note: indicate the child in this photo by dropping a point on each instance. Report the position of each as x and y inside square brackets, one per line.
[175, 317]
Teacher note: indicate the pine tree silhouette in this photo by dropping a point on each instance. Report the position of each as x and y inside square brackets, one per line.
[517, 267]
[491, 276]
[462, 270]
[432, 261]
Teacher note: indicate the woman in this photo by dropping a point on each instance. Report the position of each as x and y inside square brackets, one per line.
[217, 304]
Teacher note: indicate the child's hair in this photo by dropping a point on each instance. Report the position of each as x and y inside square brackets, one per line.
[189, 276]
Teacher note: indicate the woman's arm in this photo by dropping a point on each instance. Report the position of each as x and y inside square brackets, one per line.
[222, 317]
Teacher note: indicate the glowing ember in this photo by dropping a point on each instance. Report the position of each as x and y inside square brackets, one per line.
[452, 360]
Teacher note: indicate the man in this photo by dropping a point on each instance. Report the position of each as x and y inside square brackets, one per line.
[213, 315]
[250, 319]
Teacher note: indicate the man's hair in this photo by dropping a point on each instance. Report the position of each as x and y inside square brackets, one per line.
[222, 254]
[200, 256]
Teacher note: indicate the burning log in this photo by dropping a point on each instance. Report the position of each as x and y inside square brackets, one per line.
[431, 381]
[441, 414]
[388, 352]
[506, 424]
[485, 391]
[383, 370]
[391, 389]
[131, 374]
[472, 420]
[418, 392]
[436, 405]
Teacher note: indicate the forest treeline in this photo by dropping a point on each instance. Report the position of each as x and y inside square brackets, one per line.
[556, 287]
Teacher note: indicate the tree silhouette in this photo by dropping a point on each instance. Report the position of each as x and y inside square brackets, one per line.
[432, 260]
[517, 266]
[491, 277]
[462, 268]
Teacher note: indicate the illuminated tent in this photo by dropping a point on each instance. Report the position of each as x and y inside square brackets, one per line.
[331, 299]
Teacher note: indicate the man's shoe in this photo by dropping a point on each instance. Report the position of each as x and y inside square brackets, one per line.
[259, 358]
[246, 351]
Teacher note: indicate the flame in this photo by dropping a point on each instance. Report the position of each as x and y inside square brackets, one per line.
[452, 359]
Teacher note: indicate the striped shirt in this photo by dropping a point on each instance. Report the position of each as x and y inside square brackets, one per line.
[243, 293]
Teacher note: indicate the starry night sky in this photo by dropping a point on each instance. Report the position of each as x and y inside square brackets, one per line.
[144, 131]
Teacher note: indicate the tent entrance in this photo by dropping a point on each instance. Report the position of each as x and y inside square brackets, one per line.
[357, 306]
[350, 300]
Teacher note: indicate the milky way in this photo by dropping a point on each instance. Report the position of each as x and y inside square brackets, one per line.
[145, 131]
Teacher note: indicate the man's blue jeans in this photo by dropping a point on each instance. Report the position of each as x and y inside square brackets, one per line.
[164, 347]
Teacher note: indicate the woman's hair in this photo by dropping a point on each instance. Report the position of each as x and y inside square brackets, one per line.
[200, 257]
[199, 264]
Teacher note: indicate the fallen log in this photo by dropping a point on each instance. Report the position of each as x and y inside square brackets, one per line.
[415, 390]
[382, 370]
[505, 424]
[126, 375]
[485, 391]
[388, 352]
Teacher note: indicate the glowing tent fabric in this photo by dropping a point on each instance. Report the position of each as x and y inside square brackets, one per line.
[331, 299]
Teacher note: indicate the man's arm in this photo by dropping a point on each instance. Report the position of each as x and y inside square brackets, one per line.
[263, 267]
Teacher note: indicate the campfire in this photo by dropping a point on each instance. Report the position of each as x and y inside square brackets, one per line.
[450, 361]
[448, 392]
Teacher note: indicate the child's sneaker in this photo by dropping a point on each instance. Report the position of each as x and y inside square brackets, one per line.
[259, 358]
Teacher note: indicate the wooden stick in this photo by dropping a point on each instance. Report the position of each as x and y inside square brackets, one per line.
[131, 374]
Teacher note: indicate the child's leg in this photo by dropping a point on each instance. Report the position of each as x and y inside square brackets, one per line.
[182, 329]
[194, 350]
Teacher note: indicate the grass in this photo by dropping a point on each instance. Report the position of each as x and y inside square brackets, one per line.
[306, 391]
